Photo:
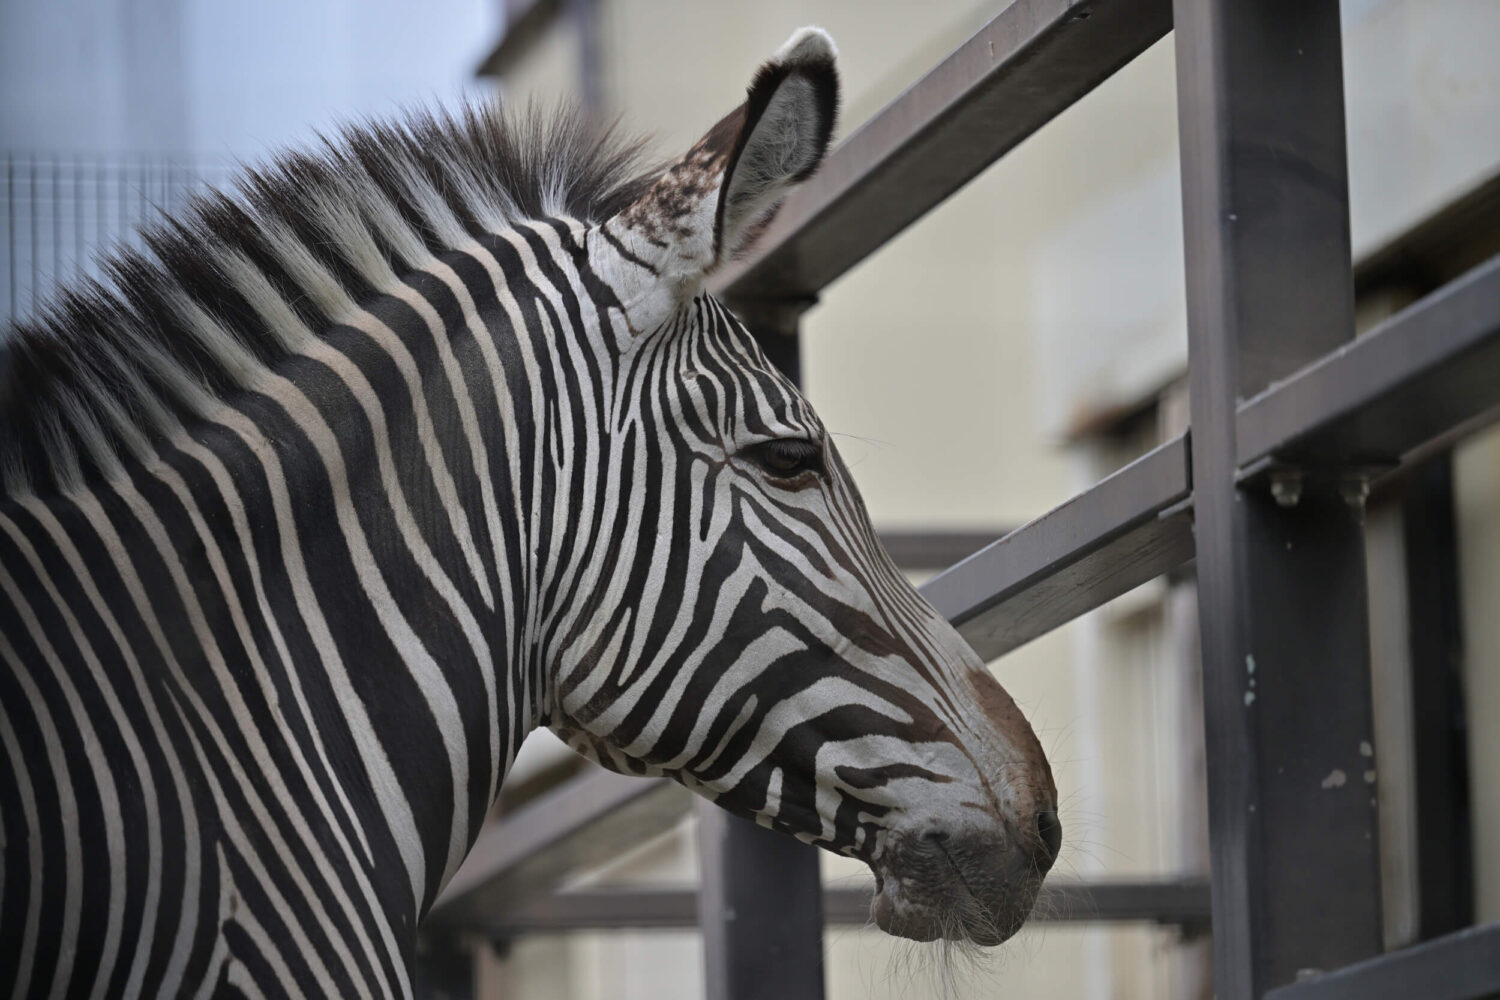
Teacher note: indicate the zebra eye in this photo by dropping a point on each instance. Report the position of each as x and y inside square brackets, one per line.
[786, 458]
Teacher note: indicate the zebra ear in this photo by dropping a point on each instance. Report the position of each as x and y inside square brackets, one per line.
[709, 205]
[785, 125]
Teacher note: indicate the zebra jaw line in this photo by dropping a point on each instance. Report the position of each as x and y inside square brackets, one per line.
[433, 439]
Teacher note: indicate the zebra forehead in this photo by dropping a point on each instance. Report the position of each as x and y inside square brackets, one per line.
[722, 352]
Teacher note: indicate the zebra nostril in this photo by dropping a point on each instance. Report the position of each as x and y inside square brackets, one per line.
[936, 836]
[1050, 830]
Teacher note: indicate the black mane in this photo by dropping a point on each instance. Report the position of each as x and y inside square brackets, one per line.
[101, 350]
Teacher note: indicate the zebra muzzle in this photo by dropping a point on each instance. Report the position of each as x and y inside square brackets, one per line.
[974, 885]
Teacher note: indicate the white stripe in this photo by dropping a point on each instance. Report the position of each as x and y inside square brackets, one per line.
[516, 703]
[236, 911]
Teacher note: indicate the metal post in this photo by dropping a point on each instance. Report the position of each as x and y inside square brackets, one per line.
[774, 323]
[443, 971]
[1445, 856]
[760, 906]
[1281, 572]
[760, 900]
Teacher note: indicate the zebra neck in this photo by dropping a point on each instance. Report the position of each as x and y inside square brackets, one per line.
[409, 479]
[323, 595]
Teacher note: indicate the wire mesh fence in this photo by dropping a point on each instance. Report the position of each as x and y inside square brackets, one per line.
[60, 211]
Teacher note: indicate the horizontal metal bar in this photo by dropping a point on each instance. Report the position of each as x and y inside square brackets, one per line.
[586, 821]
[1460, 966]
[1183, 903]
[1131, 527]
[1026, 66]
[1420, 375]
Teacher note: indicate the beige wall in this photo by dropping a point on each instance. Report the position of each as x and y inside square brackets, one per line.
[952, 364]
[1477, 483]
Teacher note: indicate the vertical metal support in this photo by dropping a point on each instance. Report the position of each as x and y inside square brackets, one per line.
[443, 971]
[1445, 853]
[1281, 585]
[760, 902]
[760, 905]
[775, 323]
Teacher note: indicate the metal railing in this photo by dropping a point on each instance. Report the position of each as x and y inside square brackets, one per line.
[60, 210]
[1293, 421]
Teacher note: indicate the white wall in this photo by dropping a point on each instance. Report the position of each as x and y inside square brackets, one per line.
[1476, 470]
[271, 72]
[213, 81]
[92, 75]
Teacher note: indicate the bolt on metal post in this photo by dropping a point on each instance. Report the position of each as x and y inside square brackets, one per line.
[1355, 488]
[1286, 487]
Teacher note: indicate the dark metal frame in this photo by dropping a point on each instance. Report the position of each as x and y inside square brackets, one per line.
[1292, 421]
[1281, 576]
[1181, 904]
[1441, 798]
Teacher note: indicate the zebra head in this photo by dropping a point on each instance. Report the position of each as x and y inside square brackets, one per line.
[742, 630]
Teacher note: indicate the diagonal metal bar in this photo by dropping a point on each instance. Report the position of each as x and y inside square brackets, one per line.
[1022, 69]
[585, 822]
[1131, 527]
[1178, 903]
[1460, 966]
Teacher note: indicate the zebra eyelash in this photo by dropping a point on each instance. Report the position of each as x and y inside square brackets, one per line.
[787, 461]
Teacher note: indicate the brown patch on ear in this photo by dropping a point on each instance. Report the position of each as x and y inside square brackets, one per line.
[1001, 709]
[664, 215]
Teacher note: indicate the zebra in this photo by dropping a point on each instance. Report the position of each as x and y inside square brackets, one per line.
[426, 438]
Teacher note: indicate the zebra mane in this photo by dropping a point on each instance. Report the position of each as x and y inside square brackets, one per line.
[236, 282]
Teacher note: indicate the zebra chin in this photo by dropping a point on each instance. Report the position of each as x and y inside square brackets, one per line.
[976, 886]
